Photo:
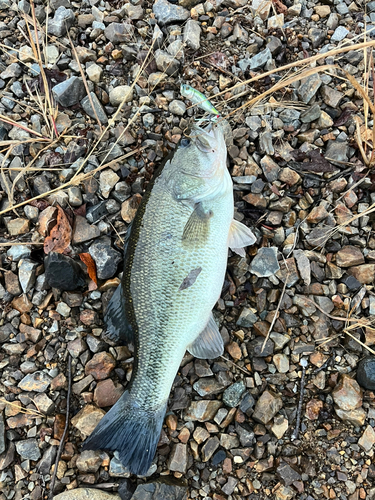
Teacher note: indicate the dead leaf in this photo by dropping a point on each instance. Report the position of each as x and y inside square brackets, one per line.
[40, 204]
[60, 236]
[80, 210]
[218, 59]
[316, 161]
[343, 118]
[90, 264]
[280, 7]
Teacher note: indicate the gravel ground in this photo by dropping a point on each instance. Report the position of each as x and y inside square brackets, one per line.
[293, 420]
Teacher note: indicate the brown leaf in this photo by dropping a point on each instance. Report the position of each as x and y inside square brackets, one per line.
[343, 118]
[218, 59]
[316, 161]
[40, 204]
[80, 210]
[280, 7]
[60, 236]
[90, 264]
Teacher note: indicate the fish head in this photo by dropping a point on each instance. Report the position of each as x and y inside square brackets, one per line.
[203, 153]
[187, 90]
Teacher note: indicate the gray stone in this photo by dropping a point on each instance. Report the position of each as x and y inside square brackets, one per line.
[177, 107]
[28, 449]
[14, 70]
[270, 168]
[36, 382]
[337, 151]
[5, 4]
[256, 347]
[166, 12]
[288, 115]
[260, 60]
[309, 87]
[265, 262]
[209, 448]
[267, 406]
[207, 386]
[75, 196]
[316, 36]
[233, 394]
[44, 466]
[339, 34]
[230, 485]
[178, 458]
[62, 21]
[69, 92]
[166, 62]
[148, 120]
[105, 257]
[331, 97]
[160, 490]
[192, 33]
[311, 114]
[119, 32]
[274, 44]
[88, 494]
[247, 318]
[18, 252]
[26, 274]
[120, 94]
[86, 104]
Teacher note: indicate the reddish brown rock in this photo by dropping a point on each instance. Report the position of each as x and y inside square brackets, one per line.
[22, 304]
[59, 382]
[347, 394]
[87, 419]
[100, 366]
[106, 393]
[89, 317]
[313, 408]
[349, 256]
[365, 274]
[234, 350]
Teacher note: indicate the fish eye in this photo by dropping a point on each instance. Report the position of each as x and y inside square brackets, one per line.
[185, 143]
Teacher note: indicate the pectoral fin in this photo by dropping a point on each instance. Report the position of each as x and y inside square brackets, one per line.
[209, 344]
[118, 327]
[196, 229]
[240, 236]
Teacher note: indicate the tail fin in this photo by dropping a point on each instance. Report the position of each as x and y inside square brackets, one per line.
[130, 430]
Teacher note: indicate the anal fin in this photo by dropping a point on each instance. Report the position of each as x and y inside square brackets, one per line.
[209, 344]
[240, 236]
[118, 327]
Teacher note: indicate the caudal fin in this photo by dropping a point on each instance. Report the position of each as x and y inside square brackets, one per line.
[133, 432]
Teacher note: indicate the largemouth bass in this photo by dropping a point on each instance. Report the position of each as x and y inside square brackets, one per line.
[174, 269]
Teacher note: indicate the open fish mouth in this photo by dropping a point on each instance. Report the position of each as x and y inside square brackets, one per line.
[207, 139]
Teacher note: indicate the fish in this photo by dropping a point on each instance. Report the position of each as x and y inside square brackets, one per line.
[174, 268]
[198, 98]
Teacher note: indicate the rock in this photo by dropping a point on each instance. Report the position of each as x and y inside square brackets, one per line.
[339, 34]
[202, 411]
[331, 96]
[62, 272]
[105, 257]
[166, 63]
[45, 464]
[354, 417]
[14, 70]
[309, 87]
[347, 394]
[257, 350]
[265, 262]
[177, 107]
[337, 150]
[62, 21]
[120, 94]
[192, 33]
[367, 440]
[83, 231]
[119, 32]
[86, 494]
[99, 110]
[5, 4]
[230, 485]
[207, 386]
[44, 403]
[17, 226]
[2, 433]
[87, 419]
[287, 473]
[209, 448]
[69, 92]
[365, 274]
[260, 60]
[289, 176]
[247, 318]
[28, 449]
[270, 168]
[349, 256]
[37, 381]
[106, 393]
[94, 72]
[233, 394]
[366, 373]
[26, 274]
[267, 406]
[18, 252]
[303, 265]
[178, 458]
[12, 283]
[317, 214]
[100, 366]
[129, 207]
[167, 13]
[316, 36]
[280, 426]
[89, 461]
[311, 114]
[107, 180]
[281, 361]
[161, 489]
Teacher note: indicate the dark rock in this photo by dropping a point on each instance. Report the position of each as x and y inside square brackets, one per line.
[233, 394]
[47, 460]
[62, 21]
[288, 474]
[219, 457]
[105, 257]
[28, 449]
[247, 403]
[209, 448]
[366, 373]
[2, 433]
[62, 272]
[245, 434]
[265, 262]
[99, 110]
[119, 32]
[166, 489]
[256, 348]
[69, 92]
